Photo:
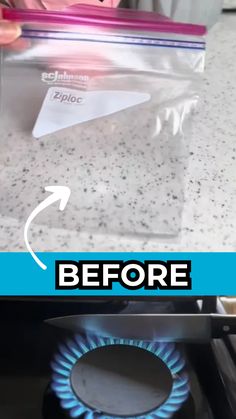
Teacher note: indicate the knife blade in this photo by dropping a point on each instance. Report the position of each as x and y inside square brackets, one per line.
[149, 327]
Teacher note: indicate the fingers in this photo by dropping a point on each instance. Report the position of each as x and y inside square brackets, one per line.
[9, 32]
[19, 45]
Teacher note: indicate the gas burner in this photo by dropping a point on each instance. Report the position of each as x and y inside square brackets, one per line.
[53, 410]
[113, 378]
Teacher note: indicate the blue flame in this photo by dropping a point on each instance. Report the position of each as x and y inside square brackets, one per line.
[70, 353]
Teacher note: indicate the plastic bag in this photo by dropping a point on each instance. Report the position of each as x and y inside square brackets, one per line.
[108, 95]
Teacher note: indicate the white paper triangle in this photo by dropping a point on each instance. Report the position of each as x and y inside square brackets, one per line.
[63, 107]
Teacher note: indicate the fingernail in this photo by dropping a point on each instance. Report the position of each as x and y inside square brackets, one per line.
[9, 32]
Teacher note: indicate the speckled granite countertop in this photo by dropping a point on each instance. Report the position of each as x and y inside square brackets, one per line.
[209, 221]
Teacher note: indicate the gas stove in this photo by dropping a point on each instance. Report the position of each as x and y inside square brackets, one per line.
[48, 373]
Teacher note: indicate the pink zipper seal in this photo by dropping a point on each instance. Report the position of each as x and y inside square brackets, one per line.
[105, 18]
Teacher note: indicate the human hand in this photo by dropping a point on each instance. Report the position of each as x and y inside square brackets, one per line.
[60, 4]
[9, 31]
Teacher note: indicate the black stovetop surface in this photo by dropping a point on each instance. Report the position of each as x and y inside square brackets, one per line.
[28, 345]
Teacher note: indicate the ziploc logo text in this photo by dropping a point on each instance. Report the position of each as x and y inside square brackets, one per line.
[63, 97]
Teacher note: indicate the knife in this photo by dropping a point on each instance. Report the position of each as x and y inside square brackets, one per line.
[150, 327]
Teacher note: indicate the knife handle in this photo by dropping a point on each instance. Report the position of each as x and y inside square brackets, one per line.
[222, 326]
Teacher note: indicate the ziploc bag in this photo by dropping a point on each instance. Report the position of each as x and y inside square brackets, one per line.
[99, 100]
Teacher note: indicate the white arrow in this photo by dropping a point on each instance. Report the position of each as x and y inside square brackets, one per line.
[58, 193]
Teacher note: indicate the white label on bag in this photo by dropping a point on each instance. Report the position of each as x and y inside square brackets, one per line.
[64, 108]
